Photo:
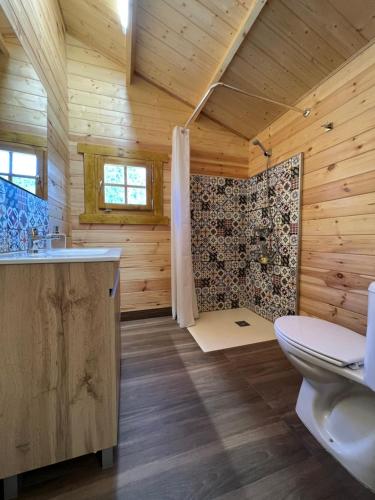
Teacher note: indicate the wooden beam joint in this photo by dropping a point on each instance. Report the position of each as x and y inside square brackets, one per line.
[130, 41]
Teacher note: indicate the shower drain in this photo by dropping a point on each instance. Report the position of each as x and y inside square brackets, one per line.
[242, 323]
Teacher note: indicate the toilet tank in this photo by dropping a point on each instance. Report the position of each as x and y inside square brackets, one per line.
[370, 339]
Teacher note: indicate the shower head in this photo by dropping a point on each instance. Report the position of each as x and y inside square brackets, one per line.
[266, 152]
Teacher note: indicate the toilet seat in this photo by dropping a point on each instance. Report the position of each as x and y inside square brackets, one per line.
[321, 339]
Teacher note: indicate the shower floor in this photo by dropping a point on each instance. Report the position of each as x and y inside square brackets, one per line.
[218, 330]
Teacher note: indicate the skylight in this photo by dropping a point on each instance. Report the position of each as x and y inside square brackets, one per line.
[123, 10]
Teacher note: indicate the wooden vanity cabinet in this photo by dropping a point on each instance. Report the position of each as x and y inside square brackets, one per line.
[59, 362]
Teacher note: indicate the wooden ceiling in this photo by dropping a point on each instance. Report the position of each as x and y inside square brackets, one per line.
[6, 29]
[292, 46]
[97, 23]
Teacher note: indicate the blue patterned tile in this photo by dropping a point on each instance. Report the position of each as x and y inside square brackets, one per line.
[19, 211]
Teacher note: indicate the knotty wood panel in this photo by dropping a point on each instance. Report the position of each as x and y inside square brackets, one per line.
[102, 110]
[23, 100]
[292, 47]
[338, 212]
[97, 24]
[178, 44]
[40, 28]
[58, 363]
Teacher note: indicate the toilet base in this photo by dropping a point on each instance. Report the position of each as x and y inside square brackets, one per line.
[340, 415]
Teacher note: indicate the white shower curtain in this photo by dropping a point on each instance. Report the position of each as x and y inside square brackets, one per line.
[184, 300]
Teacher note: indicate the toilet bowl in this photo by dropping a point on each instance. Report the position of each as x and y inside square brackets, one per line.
[336, 400]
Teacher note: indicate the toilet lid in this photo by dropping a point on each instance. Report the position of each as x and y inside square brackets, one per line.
[333, 343]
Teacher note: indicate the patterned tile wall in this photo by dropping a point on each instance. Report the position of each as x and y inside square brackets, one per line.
[19, 211]
[219, 244]
[225, 216]
[272, 289]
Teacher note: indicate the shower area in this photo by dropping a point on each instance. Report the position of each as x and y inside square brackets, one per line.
[235, 243]
[245, 241]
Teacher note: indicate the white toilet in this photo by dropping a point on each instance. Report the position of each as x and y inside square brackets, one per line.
[336, 401]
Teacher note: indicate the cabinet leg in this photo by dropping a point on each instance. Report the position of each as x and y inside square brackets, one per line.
[107, 458]
[10, 485]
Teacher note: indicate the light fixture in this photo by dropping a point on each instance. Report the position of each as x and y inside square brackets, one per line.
[123, 12]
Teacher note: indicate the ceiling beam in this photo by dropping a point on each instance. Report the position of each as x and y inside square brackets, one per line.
[231, 51]
[3, 47]
[130, 41]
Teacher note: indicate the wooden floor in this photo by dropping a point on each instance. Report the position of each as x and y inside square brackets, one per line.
[202, 426]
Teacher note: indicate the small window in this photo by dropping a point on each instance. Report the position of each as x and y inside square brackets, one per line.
[126, 186]
[23, 168]
[121, 186]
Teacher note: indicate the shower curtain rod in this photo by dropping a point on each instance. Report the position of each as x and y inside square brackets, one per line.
[305, 112]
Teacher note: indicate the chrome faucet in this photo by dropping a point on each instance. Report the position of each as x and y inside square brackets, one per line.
[34, 238]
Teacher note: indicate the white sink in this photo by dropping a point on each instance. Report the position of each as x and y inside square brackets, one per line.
[79, 252]
[63, 255]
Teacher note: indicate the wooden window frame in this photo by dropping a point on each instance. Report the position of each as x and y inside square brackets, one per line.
[125, 161]
[97, 212]
[41, 155]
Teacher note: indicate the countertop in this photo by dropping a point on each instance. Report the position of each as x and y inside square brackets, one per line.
[63, 255]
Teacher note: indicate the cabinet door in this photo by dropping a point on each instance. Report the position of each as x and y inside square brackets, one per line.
[58, 363]
[91, 326]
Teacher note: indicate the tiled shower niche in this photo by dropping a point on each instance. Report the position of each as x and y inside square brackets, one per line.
[225, 213]
[19, 212]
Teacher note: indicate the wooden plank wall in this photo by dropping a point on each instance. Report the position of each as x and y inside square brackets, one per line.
[102, 110]
[40, 28]
[23, 100]
[338, 216]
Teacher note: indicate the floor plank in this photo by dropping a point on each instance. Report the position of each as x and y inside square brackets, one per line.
[199, 426]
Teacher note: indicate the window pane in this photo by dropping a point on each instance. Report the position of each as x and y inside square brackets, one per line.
[4, 161]
[25, 183]
[24, 164]
[114, 194]
[137, 196]
[114, 174]
[136, 176]
[4, 177]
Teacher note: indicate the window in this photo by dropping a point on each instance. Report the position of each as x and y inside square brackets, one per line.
[121, 186]
[23, 167]
[126, 185]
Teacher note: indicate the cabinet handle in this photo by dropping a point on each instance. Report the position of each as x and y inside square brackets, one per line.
[113, 290]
